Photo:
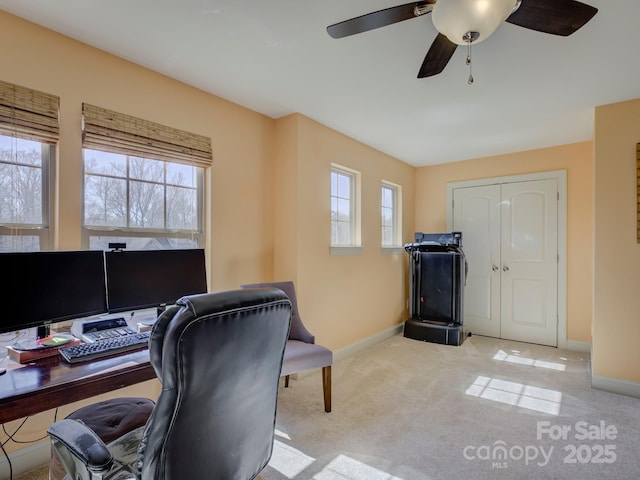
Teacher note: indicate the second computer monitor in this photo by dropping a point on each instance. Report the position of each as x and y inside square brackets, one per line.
[138, 279]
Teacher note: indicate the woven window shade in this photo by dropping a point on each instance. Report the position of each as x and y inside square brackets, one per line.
[115, 132]
[29, 114]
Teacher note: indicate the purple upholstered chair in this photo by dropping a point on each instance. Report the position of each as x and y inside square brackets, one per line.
[301, 352]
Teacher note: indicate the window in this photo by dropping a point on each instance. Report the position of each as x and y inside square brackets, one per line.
[28, 134]
[390, 204]
[345, 227]
[24, 194]
[143, 183]
[342, 208]
[142, 202]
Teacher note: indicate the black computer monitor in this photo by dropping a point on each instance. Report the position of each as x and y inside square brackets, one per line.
[138, 279]
[41, 288]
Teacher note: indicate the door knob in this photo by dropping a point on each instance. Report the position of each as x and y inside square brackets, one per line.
[505, 268]
[495, 268]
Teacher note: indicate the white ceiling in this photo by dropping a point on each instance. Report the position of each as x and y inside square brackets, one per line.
[531, 89]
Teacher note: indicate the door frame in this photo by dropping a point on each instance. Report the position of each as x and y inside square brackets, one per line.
[561, 177]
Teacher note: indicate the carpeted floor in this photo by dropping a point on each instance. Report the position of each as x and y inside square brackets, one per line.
[489, 409]
[41, 473]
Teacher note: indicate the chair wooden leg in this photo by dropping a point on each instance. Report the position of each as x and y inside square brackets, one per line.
[326, 387]
[286, 381]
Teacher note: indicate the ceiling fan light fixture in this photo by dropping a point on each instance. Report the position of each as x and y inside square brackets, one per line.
[456, 18]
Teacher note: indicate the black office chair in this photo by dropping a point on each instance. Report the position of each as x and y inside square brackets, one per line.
[218, 357]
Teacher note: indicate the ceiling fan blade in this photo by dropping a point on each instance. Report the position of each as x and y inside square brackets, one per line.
[558, 17]
[438, 56]
[380, 18]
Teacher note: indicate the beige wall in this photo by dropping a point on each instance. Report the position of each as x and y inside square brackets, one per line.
[240, 227]
[267, 213]
[616, 289]
[342, 299]
[576, 159]
[239, 221]
[286, 205]
[268, 199]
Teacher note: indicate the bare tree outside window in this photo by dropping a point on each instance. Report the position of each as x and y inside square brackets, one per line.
[20, 181]
[143, 197]
[105, 191]
[23, 196]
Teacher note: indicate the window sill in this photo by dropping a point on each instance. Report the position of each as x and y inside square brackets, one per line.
[346, 251]
[392, 250]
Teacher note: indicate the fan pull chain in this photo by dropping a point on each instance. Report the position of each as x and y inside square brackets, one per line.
[470, 81]
[470, 37]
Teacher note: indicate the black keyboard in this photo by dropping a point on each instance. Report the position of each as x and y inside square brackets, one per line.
[105, 348]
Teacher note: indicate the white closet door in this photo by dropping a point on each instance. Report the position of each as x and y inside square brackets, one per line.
[477, 215]
[509, 236]
[529, 247]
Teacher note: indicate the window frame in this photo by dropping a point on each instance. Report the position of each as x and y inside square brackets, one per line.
[122, 134]
[396, 214]
[121, 233]
[44, 230]
[28, 114]
[355, 245]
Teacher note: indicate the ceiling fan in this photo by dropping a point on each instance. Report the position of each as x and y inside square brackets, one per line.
[467, 22]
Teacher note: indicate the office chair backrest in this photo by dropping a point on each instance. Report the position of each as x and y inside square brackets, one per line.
[219, 360]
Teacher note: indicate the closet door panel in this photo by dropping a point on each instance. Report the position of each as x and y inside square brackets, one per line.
[529, 253]
[477, 216]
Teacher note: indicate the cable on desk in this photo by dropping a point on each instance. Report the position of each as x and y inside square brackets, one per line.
[10, 338]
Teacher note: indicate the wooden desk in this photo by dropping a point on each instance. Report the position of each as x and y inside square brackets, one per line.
[52, 382]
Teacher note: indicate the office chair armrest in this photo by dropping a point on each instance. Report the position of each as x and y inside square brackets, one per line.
[82, 442]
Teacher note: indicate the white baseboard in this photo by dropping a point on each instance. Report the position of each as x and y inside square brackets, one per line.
[26, 459]
[354, 348]
[614, 385]
[578, 346]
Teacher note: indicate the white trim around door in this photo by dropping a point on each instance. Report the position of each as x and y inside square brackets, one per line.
[561, 177]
